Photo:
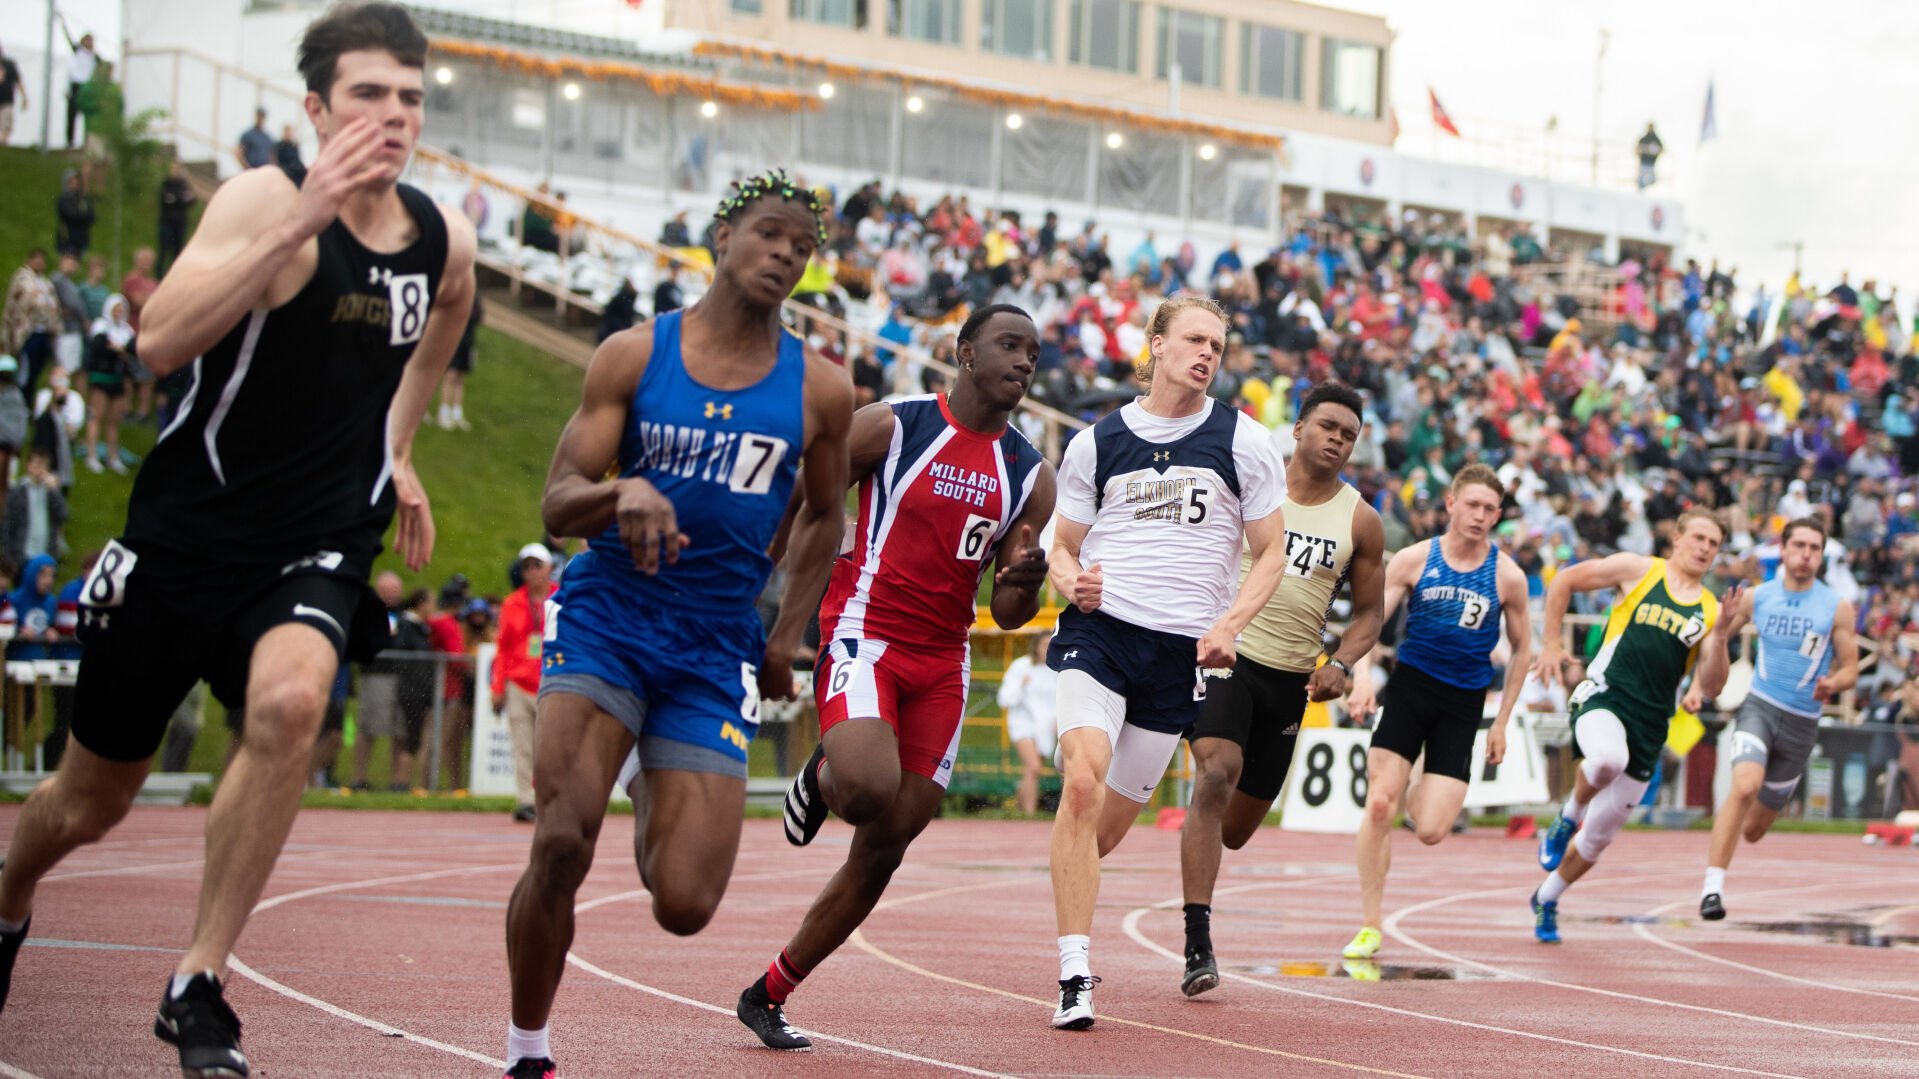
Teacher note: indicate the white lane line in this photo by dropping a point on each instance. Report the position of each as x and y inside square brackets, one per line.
[1392, 923]
[703, 1005]
[858, 939]
[1645, 933]
[11, 1072]
[1131, 926]
[240, 968]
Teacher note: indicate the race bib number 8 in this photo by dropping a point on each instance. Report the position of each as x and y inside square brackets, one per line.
[407, 300]
[107, 585]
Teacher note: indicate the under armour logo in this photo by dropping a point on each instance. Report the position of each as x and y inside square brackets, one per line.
[376, 275]
[1162, 455]
[96, 618]
[556, 659]
[724, 412]
[1073, 653]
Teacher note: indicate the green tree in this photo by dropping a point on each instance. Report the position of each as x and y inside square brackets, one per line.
[135, 160]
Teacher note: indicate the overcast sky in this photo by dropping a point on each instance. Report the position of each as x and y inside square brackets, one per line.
[1816, 105]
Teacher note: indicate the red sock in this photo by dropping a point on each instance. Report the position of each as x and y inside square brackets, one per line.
[782, 977]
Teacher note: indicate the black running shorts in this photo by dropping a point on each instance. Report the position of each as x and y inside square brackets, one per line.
[150, 634]
[1257, 708]
[1420, 711]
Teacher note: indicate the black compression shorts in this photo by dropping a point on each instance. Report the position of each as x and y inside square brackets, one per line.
[1257, 708]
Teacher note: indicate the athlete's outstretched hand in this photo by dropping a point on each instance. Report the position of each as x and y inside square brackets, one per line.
[1021, 564]
[1360, 703]
[1496, 743]
[648, 525]
[1550, 664]
[346, 164]
[1086, 589]
[1327, 682]
[1728, 604]
[1217, 649]
[776, 679]
[413, 539]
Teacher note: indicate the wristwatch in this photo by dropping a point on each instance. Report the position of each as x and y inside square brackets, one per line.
[1344, 668]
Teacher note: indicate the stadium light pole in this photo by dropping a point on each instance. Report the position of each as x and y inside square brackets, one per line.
[1599, 73]
[46, 85]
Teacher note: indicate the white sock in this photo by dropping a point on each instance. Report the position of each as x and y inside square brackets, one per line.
[10, 927]
[1074, 952]
[459, 412]
[1715, 881]
[179, 986]
[526, 1043]
[1554, 887]
[1572, 810]
[445, 412]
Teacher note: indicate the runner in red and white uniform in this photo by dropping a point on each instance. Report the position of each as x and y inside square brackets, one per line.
[945, 485]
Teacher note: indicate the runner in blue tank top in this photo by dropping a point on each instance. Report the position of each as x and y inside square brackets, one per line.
[1457, 588]
[654, 662]
[1805, 655]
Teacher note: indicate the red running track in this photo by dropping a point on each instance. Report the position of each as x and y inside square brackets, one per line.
[379, 952]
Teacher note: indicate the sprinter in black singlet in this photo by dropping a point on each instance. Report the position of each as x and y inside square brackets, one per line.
[317, 318]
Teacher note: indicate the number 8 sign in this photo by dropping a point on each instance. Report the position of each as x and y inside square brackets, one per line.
[1326, 788]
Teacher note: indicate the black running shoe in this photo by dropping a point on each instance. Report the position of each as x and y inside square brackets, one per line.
[1711, 907]
[768, 1020]
[9, 951]
[805, 808]
[1202, 973]
[206, 1031]
[533, 1068]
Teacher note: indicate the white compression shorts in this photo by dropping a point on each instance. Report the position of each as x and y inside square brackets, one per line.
[1140, 756]
[1602, 741]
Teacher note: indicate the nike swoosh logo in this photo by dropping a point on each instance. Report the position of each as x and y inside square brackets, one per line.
[301, 610]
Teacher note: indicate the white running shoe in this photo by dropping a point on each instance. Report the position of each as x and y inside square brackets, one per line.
[1075, 1004]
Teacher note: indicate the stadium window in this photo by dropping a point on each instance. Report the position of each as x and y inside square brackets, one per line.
[747, 7]
[1349, 78]
[1022, 28]
[1195, 41]
[1105, 33]
[847, 13]
[937, 21]
[1271, 61]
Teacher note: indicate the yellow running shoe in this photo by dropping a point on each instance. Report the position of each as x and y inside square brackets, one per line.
[1364, 945]
[1361, 970]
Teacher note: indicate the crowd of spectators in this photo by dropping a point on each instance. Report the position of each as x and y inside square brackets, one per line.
[1611, 396]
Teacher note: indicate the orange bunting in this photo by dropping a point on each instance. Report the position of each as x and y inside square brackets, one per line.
[1004, 98]
[665, 83]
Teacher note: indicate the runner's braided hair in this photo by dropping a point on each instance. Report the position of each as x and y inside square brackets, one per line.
[745, 193]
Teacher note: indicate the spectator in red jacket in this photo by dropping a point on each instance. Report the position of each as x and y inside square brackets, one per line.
[449, 639]
[516, 666]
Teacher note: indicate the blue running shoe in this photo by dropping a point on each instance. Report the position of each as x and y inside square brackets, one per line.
[1545, 920]
[1553, 841]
